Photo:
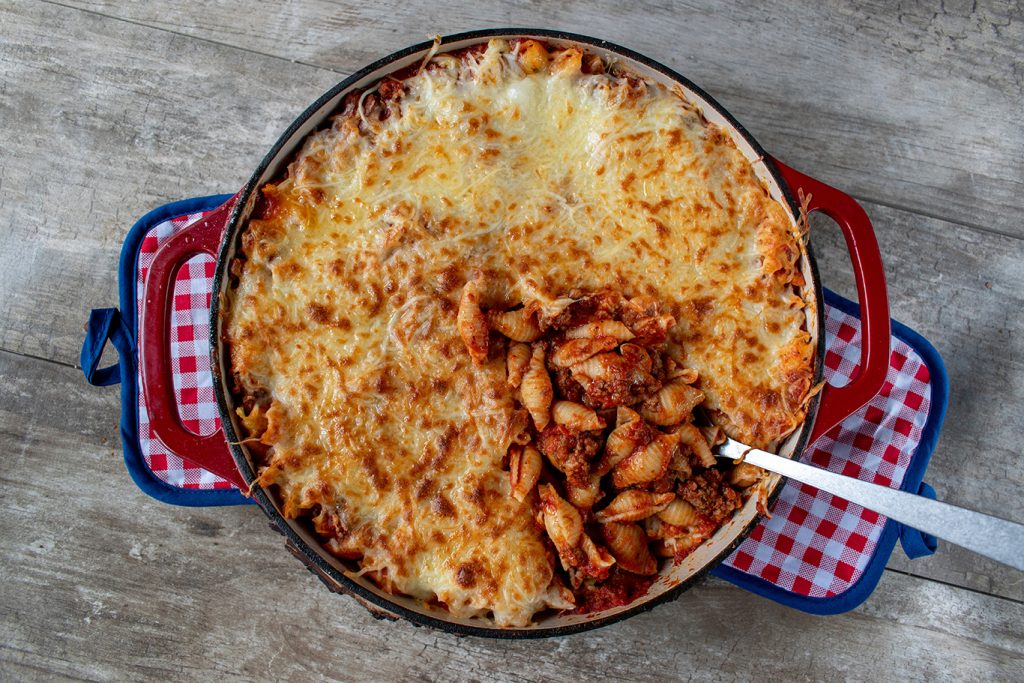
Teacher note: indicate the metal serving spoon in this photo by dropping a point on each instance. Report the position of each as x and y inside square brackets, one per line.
[999, 539]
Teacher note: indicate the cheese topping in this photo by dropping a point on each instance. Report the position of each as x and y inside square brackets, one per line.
[548, 178]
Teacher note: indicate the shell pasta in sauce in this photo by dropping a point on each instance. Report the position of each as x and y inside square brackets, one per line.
[487, 326]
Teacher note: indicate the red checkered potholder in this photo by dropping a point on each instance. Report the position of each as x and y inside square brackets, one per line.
[190, 360]
[814, 545]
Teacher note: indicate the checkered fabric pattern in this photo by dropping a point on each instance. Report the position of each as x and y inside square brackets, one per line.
[190, 360]
[814, 544]
[818, 545]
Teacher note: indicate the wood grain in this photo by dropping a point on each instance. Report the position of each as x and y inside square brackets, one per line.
[916, 105]
[102, 583]
[113, 110]
[102, 122]
[57, 263]
[963, 290]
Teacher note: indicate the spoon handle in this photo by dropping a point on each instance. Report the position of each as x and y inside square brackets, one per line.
[998, 539]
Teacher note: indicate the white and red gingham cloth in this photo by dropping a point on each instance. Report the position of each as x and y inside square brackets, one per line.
[814, 545]
[190, 360]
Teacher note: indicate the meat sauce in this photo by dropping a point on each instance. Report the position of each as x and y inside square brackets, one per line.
[620, 588]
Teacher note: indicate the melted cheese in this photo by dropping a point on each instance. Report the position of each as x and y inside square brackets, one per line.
[344, 314]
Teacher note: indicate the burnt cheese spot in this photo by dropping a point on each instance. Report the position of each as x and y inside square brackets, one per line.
[627, 182]
[318, 313]
[425, 488]
[377, 476]
[347, 300]
[441, 506]
[467, 573]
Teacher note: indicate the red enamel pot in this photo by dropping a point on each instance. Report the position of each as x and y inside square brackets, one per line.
[219, 234]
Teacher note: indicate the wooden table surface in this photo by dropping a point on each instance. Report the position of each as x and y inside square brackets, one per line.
[108, 109]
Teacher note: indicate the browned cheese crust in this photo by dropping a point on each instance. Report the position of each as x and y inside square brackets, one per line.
[547, 172]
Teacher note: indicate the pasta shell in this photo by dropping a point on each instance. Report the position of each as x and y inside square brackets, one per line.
[690, 435]
[680, 467]
[569, 61]
[604, 366]
[616, 379]
[536, 391]
[628, 545]
[575, 351]
[517, 428]
[679, 513]
[713, 434]
[524, 471]
[636, 355]
[562, 521]
[598, 560]
[576, 416]
[745, 475]
[558, 596]
[687, 542]
[551, 309]
[633, 505]
[519, 325]
[646, 464]
[584, 497]
[654, 330]
[658, 529]
[662, 549]
[472, 323]
[672, 403]
[255, 422]
[517, 360]
[624, 415]
[622, 441]
[591, 562]
[533, 56]
[600, 328]
[687, 375]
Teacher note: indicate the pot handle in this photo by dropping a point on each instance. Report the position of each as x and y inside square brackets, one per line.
[838, 403]
[210, 452]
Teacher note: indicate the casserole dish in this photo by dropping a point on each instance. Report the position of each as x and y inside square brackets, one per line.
[220, 235]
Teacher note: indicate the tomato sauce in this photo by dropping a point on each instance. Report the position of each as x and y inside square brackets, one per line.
[621, 588]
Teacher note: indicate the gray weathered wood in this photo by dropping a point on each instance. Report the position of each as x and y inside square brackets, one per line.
[101, 122]
[57, 263]
[917, 106]
[102, 583]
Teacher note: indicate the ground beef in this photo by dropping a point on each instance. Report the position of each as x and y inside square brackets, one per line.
[710, 495]
[624, 378]
[588, 308]
[568, 388]
[569, 451]
[642, 315]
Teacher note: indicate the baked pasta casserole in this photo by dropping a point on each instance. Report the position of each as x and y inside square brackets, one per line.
[487, 328]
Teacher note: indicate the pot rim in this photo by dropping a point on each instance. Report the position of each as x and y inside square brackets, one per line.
[314, 559]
